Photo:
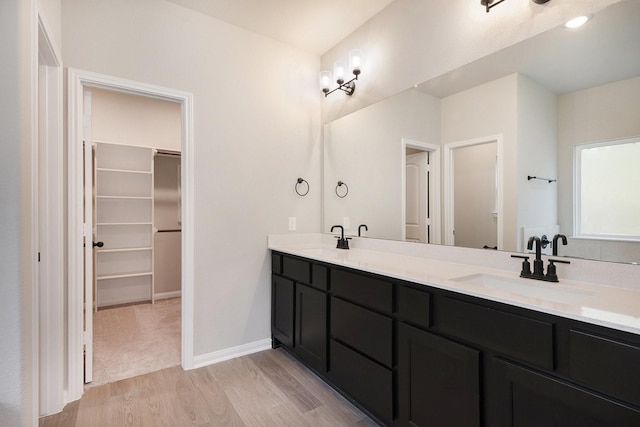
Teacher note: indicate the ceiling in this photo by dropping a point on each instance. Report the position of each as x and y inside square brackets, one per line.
[604, 50]
[312, 25]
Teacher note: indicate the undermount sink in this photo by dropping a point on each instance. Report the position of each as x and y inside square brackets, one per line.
[526, 287]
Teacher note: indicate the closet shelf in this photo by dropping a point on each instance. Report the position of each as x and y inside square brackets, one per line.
[102, 251]
[124, 275]
[100, 224]
[125, 197]
[123, 171]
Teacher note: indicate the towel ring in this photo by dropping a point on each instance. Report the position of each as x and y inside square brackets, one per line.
[300, 181]
[340, 184]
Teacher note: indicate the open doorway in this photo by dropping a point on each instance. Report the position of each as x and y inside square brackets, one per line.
[81, 310]
[474, 193]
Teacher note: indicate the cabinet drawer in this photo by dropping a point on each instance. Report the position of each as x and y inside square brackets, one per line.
[362, 329]
[365, 290]
[276, 263]
[319, 276]
[517, 336]
[296, 269]
[368, 383]
[414, 306]
[609, 366]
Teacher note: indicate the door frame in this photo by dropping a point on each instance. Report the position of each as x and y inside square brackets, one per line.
[77, 81]
[50, 216]
[449, 178]
[434, 186]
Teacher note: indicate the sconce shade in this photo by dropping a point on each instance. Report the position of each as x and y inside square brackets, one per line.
[339, 71]
[355, 61]
[325, 80]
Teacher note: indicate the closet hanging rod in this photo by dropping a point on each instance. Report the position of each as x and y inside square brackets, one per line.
[163, 152]
[177, 230]
[529, 178]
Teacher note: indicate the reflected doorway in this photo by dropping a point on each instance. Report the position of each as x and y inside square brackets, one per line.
[420, 192]
[473, 189]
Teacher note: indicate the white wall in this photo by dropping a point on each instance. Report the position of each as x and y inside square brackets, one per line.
[135, 120]
[257, 128]
[18, 48]
[487, 110]
[51, 13]
[411, 41]
[364, 149]
[537, 201]
[601, 113]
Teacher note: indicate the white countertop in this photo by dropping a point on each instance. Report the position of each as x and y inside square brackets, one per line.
[609, 306]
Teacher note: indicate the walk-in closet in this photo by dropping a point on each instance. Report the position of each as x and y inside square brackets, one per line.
[137, 234]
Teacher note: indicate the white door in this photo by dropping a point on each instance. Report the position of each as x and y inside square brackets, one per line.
[417, 197]
[474, 196]
[88, 232]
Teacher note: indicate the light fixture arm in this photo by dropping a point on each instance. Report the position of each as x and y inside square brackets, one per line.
[347, 87]
[489, 4]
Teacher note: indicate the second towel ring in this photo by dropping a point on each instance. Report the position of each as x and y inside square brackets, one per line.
[298, 182]
[340, 184]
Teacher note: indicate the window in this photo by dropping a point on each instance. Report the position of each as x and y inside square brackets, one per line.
[607, 190]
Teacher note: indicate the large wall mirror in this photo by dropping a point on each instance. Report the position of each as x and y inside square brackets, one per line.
[530, 140]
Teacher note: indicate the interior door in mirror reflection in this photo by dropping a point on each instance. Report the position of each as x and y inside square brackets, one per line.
[474, 196]
[417, 200]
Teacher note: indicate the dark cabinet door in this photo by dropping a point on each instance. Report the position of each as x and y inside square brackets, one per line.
[282, 303]
[530, 398]
[311, 326]
[438, 381]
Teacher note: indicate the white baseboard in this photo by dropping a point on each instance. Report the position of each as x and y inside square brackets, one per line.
[231, 353]
[167, 295]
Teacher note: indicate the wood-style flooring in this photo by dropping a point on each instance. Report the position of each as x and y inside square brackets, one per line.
[269, 388]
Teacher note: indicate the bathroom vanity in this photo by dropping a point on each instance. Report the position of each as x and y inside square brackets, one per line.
[425, 342]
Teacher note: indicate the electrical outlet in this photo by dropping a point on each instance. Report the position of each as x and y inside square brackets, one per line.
[346, 222]
[292, 223]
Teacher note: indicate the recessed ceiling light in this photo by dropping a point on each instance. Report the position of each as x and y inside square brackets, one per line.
[577, 22]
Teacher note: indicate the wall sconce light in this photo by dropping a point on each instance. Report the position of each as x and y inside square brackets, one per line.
[339, 73]
[490, 3]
